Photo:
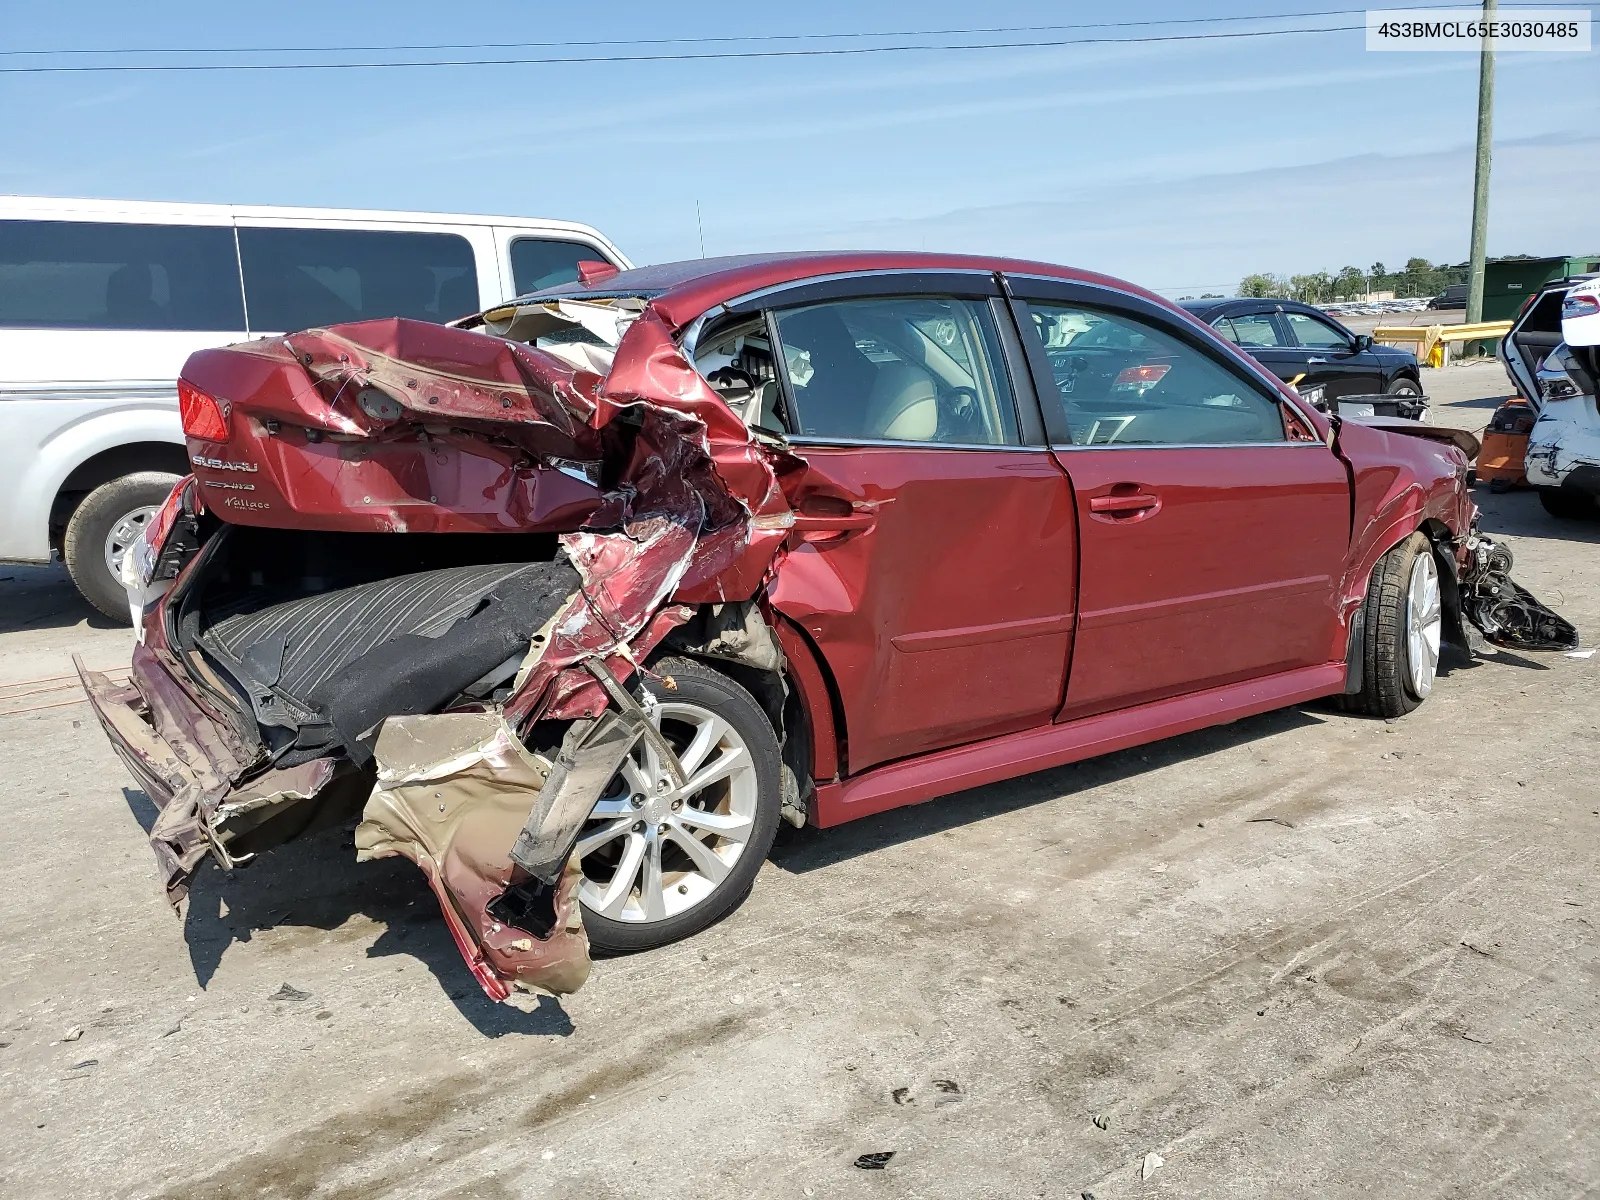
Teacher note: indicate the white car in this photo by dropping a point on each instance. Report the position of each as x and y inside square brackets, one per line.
[101, 301]
[1553, 356]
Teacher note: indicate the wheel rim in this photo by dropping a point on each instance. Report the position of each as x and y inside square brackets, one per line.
[122, 536]
[651, 851]
[1424, 622]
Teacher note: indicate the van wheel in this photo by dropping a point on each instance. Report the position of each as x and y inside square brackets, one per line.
[1568, 505]
[102, 528]
[660, 863]
[1404, 621]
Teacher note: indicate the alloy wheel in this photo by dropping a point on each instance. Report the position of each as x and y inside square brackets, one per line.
[652, 850]
[1424, 624]
[123, 535]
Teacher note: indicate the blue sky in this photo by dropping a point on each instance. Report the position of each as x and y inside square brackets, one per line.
[1178, 165]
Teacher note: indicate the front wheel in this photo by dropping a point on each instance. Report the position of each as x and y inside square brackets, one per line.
[661, 862]
[1403, 387]
[1404, 623]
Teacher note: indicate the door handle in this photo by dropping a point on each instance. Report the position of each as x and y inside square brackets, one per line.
[1124, 504]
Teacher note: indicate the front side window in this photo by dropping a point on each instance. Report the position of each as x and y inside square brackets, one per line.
[299, 278]
[1314, 334]
[899, 369]
[92, 275]
[1123, 382]
[537, 264]
[1254, 329]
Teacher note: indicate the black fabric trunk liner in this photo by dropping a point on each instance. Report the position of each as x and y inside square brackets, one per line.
[299, 645]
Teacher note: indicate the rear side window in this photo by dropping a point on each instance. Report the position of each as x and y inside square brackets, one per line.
[91, 275]
[537, 264]
[298, 278]
[1125, 383]
[905, 369]
[1256, 329]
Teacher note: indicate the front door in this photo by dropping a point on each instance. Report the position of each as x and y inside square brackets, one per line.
[1210, 543]
[1332, 359]
[933, 555]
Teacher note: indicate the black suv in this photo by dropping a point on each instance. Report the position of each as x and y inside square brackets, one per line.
[1303, 345]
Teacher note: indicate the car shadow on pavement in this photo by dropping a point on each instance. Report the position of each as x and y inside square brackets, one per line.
[799, 851]
[44, 598]
[306, 894]
[1519, 514]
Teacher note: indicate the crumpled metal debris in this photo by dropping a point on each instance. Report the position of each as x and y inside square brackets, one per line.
[452, 794]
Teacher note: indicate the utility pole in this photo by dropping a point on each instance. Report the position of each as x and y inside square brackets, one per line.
[1480, 180]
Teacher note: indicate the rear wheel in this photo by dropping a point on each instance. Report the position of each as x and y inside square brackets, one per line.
[1404, 623]
[1568, 505]
[102, 528]
[660, 863]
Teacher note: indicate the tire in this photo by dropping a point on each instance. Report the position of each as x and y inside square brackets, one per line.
[1389, 687]
[628, 824]
[1402, 386]
[121, 505]
[1567, 505]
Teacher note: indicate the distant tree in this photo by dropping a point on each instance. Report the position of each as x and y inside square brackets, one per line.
[1377, 269]
[1211, 296]
[1255, 286]
[1418, 266]
[1311, 289]
[1349, 282]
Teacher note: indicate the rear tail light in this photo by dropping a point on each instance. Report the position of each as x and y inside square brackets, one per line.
[202, 415]
[1579, 306]
[1141, 377]
[139, 566]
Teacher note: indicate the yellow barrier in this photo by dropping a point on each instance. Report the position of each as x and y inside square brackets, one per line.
[1433, 341]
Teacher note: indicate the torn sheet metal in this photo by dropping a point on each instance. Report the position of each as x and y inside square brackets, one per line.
[453, 792]
[600, 430]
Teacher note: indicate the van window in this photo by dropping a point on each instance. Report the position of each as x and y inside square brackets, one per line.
[298, 278]
[93, 275]
[537, 264]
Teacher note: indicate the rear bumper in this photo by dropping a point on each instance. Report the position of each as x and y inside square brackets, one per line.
[179, 755]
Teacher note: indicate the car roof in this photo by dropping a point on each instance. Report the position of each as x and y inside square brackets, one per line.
[683, 291]
[1232, 304]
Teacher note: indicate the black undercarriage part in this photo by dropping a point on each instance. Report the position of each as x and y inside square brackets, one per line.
[1505, 611]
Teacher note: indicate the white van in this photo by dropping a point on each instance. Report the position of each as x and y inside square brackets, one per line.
[101, 301]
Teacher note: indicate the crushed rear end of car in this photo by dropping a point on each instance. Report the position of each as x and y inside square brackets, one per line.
[564, 500]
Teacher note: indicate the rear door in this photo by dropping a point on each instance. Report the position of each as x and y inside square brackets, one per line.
[933, 559]
[1261, 334]
[1211, 531]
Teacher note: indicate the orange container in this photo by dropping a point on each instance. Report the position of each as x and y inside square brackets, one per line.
[1505, 445]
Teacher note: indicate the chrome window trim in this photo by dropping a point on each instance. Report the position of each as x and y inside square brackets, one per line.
[810, 440]
[1187, 445]
[690, 337]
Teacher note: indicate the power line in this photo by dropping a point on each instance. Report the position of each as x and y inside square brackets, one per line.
[735, 38]
[830, 52]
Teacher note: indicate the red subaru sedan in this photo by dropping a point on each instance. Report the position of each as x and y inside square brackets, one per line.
[574, 602]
